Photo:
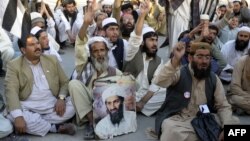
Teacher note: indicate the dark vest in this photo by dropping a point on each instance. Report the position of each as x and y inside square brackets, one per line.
[175, 100]
[135, 66]
[118, 53]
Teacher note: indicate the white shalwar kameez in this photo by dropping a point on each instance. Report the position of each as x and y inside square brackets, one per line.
[179, 21]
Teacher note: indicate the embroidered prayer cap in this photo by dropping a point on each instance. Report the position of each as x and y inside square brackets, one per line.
[244, 28]
[109, 21]
[147, 29]
[36, 17]
[199, 45]
[113, 91]
[97, 39]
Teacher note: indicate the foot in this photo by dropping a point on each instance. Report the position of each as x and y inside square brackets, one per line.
[67, 128]
[14, 137]
[60, 51]
[89, 132]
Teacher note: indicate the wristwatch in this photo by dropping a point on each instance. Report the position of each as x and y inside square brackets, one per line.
[62, 97]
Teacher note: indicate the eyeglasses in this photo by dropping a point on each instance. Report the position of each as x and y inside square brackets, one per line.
[200, 56]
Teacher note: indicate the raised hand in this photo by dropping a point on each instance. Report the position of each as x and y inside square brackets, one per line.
[178, 51]
[89, 15]
[144, 7]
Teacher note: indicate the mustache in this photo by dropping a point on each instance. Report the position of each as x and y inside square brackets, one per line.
[38, 49]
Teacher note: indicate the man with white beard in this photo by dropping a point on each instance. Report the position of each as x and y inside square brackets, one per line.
[87, 70]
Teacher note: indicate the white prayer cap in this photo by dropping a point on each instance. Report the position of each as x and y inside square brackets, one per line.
[97, 39]
[36, 17]
[35, 29]
[147, 29]
[112, 91]
[108, 2]
[244, 28]
[109, 21]
[204, 17]
[236, 0]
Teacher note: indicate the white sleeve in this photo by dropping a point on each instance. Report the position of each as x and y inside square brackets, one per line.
[133, 47]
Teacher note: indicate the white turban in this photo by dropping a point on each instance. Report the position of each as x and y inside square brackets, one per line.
[97, 39]
[244, 28]
[107, 21]
[35, 29]
[113, 91]
[147, 29]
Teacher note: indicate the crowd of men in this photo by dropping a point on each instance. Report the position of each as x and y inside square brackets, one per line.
[208, 65]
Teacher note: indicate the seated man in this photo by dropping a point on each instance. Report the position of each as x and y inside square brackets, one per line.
[233, 50]
[143, 63]
[189, 87]
[35, 89]
[118, 121]
[239, 90]
[43, 40]
[87, 71]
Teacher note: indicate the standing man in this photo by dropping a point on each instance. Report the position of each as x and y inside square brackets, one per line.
[64, 20]
[36, 90]
[189, 87]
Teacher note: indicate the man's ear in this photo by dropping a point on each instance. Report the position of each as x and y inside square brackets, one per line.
[142, 43]
[23, 50]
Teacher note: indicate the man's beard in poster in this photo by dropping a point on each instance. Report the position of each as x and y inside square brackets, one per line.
[116, 115]
[241, 45]
[200, 73]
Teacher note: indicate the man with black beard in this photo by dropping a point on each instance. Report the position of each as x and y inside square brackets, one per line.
[190, 87]
[241, 10]
[233, 50]
[64, 20]
[87, 70]
[118, 121]
[143, 63]
[127, 25]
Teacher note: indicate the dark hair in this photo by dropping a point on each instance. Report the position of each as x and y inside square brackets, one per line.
[182, 34]
[65, 2]
[21, 43]
[149, 34]
[127, 6]
[214, 27]
[37, 35]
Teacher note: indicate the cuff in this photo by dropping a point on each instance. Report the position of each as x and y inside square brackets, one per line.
[16, 113]
[154, 88]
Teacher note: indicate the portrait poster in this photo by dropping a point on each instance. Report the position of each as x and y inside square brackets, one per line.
[114, 106]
